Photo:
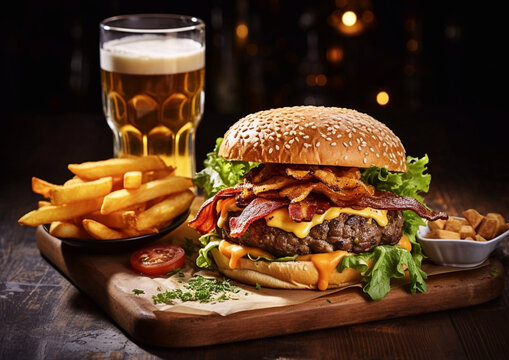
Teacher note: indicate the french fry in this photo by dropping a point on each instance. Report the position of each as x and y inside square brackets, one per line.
[156, 174]
[453, 224]
[74, 180]
[132, 232]
[101, 231]
[50, 213]
[116, 220]
[500, 220]
[443, 234]
[467, 231]
[117, 166]
[64, 229]
[132, 179]
[473, 217]
[42, 187]
[123, 198]
[488, 228]
[437, 224]
[80, 191]
[165, 210]
[42, 203]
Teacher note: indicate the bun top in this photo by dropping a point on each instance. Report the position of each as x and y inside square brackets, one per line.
[313, 135]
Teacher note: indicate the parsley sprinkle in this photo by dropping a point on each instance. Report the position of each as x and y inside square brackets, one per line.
[258, 286]
[201, 289]
[176, 271]
[328, 300]
[138, 292]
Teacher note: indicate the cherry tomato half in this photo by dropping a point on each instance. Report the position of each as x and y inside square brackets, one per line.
[158, 259]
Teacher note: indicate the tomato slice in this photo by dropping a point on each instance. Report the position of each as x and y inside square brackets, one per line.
[158, 259]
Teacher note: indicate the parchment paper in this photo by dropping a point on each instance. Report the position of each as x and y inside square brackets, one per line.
[249, 298]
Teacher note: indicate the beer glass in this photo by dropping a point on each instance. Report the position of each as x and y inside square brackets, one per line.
[152, 80]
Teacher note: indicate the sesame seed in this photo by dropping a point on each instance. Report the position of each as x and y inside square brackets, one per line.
[271, 150]
[332, 144]
[291, 141]
[306, 145]
[306, 137]
[345, 157]
[328, 139]
[313, 127]
[364, 160]
[287, 146]
[297, 139]
[339, 135]
[277, 147]
[359, 148]
[317, 144]
[345, 144]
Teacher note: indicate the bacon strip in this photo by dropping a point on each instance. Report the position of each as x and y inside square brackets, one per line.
[306, 209]
[206, 218]
[387, 200]
[257, 209]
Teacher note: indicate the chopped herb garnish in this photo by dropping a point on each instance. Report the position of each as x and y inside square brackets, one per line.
[138, 292]
[176, 271]
[258, 286]
[493, 272]
[190, 247]
[328, 300]
[201, 289]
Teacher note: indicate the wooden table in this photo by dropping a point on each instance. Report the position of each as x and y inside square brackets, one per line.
[44, 316]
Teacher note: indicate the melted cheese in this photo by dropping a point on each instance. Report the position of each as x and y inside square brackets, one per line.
[224, 207]
[405, 243]
[325, 264]
[235, 252]
[281, 219]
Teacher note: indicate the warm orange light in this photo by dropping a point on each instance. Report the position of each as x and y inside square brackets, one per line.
[242, 31]
[321, 80]
[349, 18]
[382, 98]
[368, 16]
[310, 80]
[412, 45]
[334, 54]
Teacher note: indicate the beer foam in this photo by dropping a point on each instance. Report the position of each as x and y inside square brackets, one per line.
[152, 55]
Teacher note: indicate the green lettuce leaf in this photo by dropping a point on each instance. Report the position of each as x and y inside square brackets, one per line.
[209, 242]
[220, 173]
[413, 183]
[388, 261]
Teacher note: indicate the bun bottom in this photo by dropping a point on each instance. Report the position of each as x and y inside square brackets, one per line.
[282, 275]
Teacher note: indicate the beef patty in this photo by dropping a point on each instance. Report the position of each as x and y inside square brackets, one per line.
[351, 233]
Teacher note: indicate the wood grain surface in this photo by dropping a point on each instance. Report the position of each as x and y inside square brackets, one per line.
[44, 316]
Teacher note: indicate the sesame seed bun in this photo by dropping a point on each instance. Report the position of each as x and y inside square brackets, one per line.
[313, 135]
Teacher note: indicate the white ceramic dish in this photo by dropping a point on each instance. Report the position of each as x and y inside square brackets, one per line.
[457, 253]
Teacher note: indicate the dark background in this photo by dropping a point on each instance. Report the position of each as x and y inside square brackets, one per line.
[447, 92]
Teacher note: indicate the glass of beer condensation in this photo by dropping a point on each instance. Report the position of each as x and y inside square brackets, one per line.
[152, 79]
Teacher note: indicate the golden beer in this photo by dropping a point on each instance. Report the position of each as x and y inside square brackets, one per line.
[153, 96]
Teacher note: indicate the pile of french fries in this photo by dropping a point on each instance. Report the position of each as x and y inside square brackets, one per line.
[112, 199]
[474, 226]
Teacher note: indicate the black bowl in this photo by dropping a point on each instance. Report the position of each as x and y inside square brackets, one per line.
[124, 244]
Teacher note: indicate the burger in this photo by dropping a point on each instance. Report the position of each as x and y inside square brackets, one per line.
[313, 198]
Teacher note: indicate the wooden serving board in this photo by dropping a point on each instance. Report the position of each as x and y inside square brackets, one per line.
[145, 323]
